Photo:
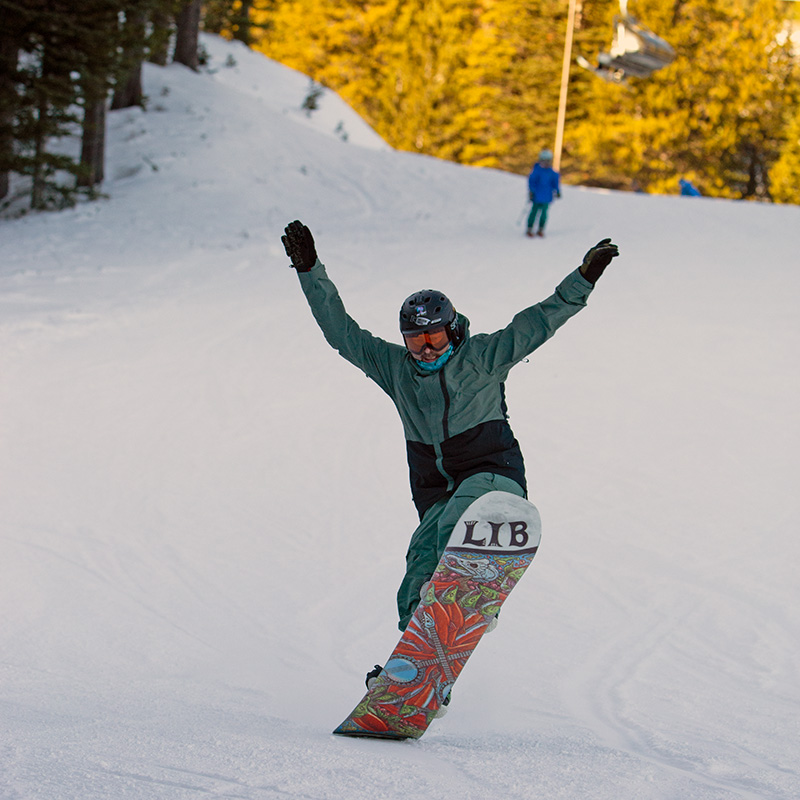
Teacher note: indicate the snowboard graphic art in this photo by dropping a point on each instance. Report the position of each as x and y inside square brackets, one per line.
[489, 550]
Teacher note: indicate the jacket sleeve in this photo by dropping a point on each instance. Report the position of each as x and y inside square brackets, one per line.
[532, 327]
[536, 178]
[369, 353]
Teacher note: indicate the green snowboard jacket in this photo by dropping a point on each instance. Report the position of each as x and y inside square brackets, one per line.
[455, 419]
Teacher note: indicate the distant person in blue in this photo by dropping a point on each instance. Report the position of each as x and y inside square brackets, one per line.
[688, 190]
[542, 186]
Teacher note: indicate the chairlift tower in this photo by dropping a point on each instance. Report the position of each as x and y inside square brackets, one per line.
[635, 51]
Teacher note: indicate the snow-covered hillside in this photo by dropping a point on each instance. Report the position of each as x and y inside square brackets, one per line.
[204, 511]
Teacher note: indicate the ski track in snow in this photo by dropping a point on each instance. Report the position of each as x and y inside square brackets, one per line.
[603, 692]
[204, 512]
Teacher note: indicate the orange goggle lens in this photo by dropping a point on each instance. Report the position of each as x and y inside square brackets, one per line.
[438, 339]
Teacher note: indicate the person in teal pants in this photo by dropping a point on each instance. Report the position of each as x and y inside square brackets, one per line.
[543, 185]
[448, 386]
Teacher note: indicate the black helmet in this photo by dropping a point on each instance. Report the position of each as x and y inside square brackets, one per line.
[426, 309]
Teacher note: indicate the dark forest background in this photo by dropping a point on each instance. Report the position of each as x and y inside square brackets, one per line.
[473, 81]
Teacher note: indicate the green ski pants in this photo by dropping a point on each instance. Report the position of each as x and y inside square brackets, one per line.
[535, 209]
[430, 538]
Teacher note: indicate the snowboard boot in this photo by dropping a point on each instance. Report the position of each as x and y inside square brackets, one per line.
[372, 675]
[443, 707]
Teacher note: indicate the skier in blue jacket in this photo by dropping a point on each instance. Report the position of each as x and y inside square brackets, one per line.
[542, 186]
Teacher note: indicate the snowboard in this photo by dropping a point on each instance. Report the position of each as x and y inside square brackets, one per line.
[491, 546]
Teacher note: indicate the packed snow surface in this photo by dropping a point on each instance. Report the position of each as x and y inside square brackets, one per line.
[204, 511]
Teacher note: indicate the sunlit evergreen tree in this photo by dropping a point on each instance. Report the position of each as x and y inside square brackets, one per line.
[416, 70]
[785, 173]
[238, 19]
[715, 116]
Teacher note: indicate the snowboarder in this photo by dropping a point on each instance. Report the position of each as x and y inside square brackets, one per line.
[542, 186]
[448, 387]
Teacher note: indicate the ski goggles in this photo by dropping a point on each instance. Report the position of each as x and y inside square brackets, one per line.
[437, 339]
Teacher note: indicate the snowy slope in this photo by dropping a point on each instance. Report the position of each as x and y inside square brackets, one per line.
[204, 511]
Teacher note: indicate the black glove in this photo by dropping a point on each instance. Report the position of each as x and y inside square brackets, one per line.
[299, 245]
[597, 259]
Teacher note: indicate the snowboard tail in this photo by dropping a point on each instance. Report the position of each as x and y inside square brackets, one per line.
[490, 548]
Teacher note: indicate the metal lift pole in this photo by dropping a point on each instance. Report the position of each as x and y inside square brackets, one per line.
[562, 100]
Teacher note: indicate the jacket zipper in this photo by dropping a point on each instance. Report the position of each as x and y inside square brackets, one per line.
[445, 423]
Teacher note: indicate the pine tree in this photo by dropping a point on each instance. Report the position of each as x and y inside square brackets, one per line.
[785, 173]
[714, 116]
[415, 70]
[47, 99]
[71, 60]
[238, 19]
[476, 82]
[161, 23]
[11, 41]
[428, 97]
[128, 89]
[99, 30]
[187, 34]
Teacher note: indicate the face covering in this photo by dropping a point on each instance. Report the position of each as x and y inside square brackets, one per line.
[433, 366]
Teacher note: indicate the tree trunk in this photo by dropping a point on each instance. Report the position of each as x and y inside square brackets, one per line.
[128, 91]
[242, 29]
[93, 144]
[159, 37]
[187, 35]
[9, 52]
[39, 172]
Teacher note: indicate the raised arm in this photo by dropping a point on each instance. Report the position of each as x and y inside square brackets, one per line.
[533, 326]
[369, 353]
